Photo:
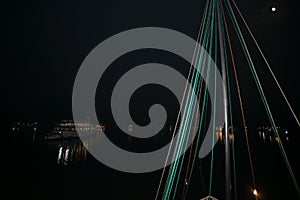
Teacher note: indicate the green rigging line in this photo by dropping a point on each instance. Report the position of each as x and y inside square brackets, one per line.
[193, 104]
[176, 163]
[214, 111]
[202, 111]
[232, 17]
[267, 63]
[173, 171]
[198, 85]
[174, 166]
[258, 84]
[196, 49]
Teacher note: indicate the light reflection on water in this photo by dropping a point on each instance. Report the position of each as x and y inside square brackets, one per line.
[74, 151]
[71, 152]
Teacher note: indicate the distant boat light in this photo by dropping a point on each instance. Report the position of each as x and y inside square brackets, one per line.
[255, 193]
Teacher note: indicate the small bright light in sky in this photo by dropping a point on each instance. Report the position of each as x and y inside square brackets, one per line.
[273, 8]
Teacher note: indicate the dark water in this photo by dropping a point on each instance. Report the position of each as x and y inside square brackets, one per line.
[63, 169]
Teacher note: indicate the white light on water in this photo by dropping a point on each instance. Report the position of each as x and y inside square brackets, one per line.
[59, 154]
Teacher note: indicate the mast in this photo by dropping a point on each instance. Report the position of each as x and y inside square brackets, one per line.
[227, 143]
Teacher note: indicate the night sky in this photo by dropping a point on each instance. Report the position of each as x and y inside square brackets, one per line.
[47, 41]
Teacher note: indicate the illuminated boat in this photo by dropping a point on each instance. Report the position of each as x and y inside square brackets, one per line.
[66, 129]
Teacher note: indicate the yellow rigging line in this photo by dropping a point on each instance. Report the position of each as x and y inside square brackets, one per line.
[195, 125]
[181, 104]
[183, 98]
[267, 63]
[240, 98]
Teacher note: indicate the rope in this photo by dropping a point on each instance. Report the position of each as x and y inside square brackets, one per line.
[203, 106]
[266, 105]
[184, 94]
[214, 111]
[267, 63]
[240, 102]
[174, 166]
[229, 97]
